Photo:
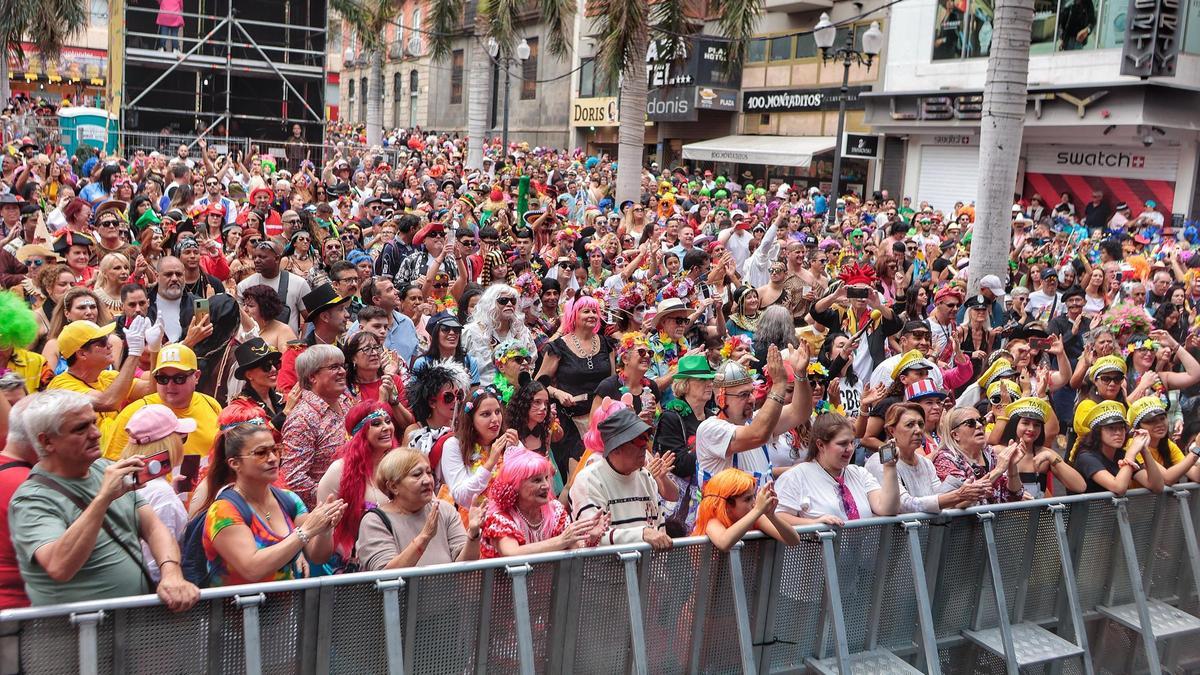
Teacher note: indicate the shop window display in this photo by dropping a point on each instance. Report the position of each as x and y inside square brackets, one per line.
[963, 28]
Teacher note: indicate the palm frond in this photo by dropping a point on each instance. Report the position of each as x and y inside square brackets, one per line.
[364, 16]
[738, 21]
[621, 24]
[501, 18]
[47, 24]
[443, 22]
[559, 16]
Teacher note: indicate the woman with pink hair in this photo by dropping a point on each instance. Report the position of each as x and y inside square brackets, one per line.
[351, 475]
[523, 515]
[573, 366]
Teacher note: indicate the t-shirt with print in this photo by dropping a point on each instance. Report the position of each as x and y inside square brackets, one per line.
[39, 515]
[104, 420]
[712, 446]
[807, 490]
[223, 513]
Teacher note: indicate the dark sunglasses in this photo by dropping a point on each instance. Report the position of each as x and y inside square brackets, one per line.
[506, 300]
[449, 397]
[681, 321]
[181, 378]
[1109, 379]
[440, 284]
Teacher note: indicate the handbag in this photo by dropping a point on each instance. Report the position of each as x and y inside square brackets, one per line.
[82, 506]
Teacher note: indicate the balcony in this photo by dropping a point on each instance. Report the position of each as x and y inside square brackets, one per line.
[796, 6]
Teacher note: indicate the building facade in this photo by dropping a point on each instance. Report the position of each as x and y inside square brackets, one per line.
[407, 71]
[1088, 128]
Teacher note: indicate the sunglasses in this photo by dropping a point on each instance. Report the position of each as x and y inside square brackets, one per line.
[266, 367]
[435, 235]
[263, 453]
[1109, 379]
[181, 378]
[449, 397]
[95, 343]
[681, 321]
[441, 284]
[972, 422]
[506, 300]
[107, 223]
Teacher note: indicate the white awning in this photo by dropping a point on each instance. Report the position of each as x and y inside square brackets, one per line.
[773, 150]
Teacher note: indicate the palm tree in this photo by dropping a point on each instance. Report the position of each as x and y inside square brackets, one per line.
[496, 20]
[48, 24]
[1004, 99]
[624, 28]
[370, 18]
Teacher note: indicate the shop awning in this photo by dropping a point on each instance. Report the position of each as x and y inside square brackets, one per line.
[772, 150]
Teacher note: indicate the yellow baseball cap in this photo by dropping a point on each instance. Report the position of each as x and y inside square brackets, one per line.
[1105, 412]
[178, 356]
[77, 333]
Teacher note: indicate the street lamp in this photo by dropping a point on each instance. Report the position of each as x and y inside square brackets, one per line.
[507, 61]
[872, 41]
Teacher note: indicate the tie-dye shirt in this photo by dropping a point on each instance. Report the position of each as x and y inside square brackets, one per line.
[223, 513]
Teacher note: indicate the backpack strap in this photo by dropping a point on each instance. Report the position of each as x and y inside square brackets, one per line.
[387, 522]
[75, 499]
[14, 464]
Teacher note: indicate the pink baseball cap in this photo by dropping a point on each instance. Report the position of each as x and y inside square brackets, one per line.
[155, 422]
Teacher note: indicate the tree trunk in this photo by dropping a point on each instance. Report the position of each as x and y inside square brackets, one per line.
[478, 97]
[374, 102]
[632, 132]
[4, 86]
[1004, 100]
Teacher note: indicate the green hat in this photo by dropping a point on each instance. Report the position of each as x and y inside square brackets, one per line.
[695, 367]
[146, 219]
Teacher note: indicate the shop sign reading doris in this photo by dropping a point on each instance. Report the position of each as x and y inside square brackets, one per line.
[601, 111]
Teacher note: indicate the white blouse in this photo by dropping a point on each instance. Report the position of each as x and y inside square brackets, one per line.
[808, 491]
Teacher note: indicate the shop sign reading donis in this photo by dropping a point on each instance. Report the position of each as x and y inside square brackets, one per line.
[1105, 161]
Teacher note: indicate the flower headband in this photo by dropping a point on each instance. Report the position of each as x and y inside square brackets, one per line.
[376, 414]
[479, 393]
[630, 340]
[1152, 345]
[508, 350]
[253, 421]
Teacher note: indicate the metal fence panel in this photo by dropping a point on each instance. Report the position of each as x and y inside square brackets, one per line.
[357, 631]
[444, 612]
[671, 607]
[797, 621]
[602, 633]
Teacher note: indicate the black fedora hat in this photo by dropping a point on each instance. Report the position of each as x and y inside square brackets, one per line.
[321, 298]
[252, 354]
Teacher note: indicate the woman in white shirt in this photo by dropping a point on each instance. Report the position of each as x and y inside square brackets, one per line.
[827, 488]
[922, 491]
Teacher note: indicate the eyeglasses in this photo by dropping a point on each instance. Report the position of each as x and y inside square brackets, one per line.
[449, 397]
[744, 394]
[181, 378]
[263, 453]
[953, 305]
[35, 262]
[346, 280]
[373, 349]
[107, 223]
[1109, 379]
[333, 367]
[681, 321]
[506, 300]
[972, 422]
[523, 360]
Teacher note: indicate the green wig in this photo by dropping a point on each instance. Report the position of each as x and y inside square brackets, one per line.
[18, 325]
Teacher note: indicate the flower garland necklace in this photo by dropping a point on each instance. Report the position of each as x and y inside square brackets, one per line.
[503, 387]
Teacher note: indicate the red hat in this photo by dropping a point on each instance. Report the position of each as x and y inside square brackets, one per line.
[214, 209]
[255, 191]
[429, 228]
[946, 292]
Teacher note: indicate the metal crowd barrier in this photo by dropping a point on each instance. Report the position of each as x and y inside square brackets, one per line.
[1079, 584]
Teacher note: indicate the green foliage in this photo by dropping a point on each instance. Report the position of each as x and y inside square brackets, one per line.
[18, 325]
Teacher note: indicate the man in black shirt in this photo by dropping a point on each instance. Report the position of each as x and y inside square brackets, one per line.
[1097, 214]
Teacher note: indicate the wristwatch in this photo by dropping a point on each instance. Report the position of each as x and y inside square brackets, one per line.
[1195, 450]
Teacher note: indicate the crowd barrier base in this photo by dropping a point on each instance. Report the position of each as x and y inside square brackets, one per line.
[1081, 584]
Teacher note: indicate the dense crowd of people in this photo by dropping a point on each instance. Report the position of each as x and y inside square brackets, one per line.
[218, 370]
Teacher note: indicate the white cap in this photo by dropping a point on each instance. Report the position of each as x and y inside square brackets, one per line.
[992, 283]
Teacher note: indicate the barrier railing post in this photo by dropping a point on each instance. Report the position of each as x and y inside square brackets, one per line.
[878, 586]
[833, 597]
[1067, 563]
[737, 586]
[1149, 643]
[700, 614]
[766, 607]
[929, 650]
[637, 631]
[520, 591]
[1189, 539]
[89, 656]
[989, 537]
[483, 639]
[393, 637]
[251, 635]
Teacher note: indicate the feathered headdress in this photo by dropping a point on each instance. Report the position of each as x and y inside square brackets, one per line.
[855, 274]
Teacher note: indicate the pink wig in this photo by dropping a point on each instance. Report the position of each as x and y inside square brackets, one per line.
[571, 312]
[358, 472]
[592, 440]
[519, 466]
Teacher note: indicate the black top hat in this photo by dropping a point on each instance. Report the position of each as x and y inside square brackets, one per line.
[252, 354]
[321, 298]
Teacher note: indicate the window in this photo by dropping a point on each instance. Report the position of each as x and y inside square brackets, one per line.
[397, 98]
[416, 25]
[350, 101]
[806, 47]
[1191, 27]
[400, 35]
[362, 109]
[756, 51]
[335, 36]
[1058, 25]
[592, 82]
[781, 48]
[98, 9]
[412, 99]
[456, 76]
[529, 71]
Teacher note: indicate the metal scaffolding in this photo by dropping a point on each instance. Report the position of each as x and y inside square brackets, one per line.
[223, 80]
